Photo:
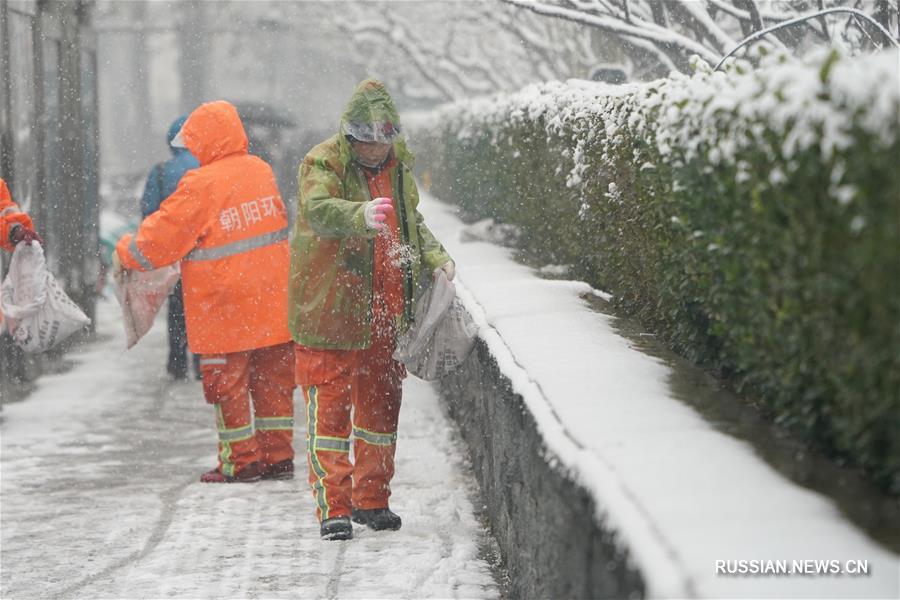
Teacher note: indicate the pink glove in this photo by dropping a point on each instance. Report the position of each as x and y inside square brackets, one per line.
[376, 212]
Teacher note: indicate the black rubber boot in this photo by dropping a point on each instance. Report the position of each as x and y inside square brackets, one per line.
[377, 518]
[248, 474]
[280, 470]
[338, 528]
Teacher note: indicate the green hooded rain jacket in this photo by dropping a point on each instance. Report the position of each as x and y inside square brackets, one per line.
[332, 250]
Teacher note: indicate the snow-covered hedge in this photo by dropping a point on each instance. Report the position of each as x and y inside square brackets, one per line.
[751, 217]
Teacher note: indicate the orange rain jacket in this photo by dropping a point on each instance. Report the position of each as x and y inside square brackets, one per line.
[227, 225]
[9, 216]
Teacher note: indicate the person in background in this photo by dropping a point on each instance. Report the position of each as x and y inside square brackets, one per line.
[15, 226]
[161, 182]
[358, 250]
[226, 225]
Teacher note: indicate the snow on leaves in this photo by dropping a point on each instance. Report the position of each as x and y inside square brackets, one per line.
[817, 102]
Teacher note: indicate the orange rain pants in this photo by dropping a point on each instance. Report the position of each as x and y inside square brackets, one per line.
[368, 382]
[253, 395]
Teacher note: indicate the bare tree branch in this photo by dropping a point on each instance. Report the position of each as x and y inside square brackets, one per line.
[659, 36]
[378, 34]
[695, 15]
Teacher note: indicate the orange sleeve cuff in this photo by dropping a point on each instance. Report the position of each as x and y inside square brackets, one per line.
[6, 223]
[125, 257]
[4, 235]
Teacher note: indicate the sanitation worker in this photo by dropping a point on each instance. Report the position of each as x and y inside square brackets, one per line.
[227, 226]
[359, 248]
[161, 182]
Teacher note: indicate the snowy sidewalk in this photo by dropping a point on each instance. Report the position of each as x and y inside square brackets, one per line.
[100, 498]
[678, 494]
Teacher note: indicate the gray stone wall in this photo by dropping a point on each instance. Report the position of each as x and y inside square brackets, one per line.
[545, 524]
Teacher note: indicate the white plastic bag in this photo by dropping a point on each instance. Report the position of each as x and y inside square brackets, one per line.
[141, 294]
[40, 315]
[442, 335]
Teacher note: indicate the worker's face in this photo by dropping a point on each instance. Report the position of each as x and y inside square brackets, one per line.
[370, 154]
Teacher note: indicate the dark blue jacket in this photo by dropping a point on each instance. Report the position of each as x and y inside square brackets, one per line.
[164, 177]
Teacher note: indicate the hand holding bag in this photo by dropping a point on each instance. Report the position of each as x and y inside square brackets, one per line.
[40, 315]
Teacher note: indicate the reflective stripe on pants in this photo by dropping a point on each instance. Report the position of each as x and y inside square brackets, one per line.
[328, 457]
[253, 395]
[333, 381]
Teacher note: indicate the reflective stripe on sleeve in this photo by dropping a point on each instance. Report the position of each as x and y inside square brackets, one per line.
[274, 423]
[259, 241]
[139, 256]
[10, 210]
[376, 439]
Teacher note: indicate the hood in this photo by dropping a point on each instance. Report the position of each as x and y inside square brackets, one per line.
[370, 103]
[174, 128]
[214, 131]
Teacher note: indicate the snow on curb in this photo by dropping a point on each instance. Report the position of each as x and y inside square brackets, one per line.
[589, 470]
[678, 494]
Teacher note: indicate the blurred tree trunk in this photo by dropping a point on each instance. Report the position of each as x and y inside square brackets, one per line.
[194, 45]
[882, 13]
[141, 73]
[755, 22]
[70, 231]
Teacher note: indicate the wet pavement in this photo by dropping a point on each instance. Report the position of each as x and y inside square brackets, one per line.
[101, 498]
